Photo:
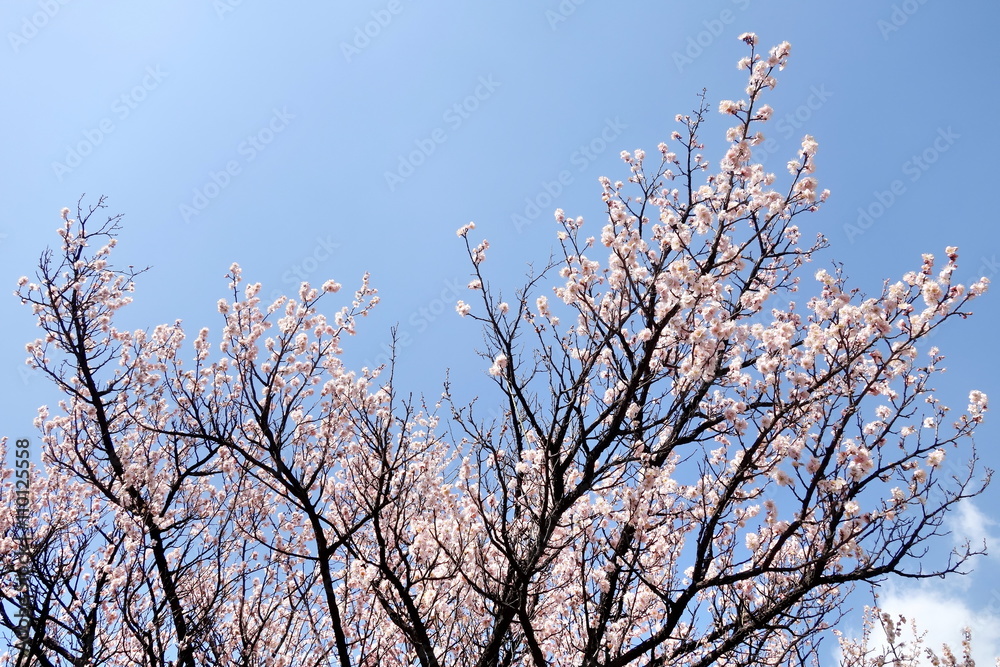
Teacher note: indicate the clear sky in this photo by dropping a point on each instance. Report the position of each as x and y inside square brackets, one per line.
[314, 140]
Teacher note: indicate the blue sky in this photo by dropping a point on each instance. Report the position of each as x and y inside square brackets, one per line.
[310, 140]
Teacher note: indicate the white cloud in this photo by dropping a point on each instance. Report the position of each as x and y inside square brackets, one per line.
[968, 523]
[942, 608]
[942, 616]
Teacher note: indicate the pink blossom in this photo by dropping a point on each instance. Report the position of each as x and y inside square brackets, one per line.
[781, 477]
[809, 145]
[729, 106]
[479, 252]
[932, 292]
[935, 458]
[499, 364]
[979, 287]
[978, 402]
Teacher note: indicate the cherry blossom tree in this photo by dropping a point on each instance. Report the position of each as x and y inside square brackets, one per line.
[671, 469]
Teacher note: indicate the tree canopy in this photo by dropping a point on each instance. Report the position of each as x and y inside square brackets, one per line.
[691, 454]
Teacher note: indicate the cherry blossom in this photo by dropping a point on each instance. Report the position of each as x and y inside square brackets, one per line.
[686, 449]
